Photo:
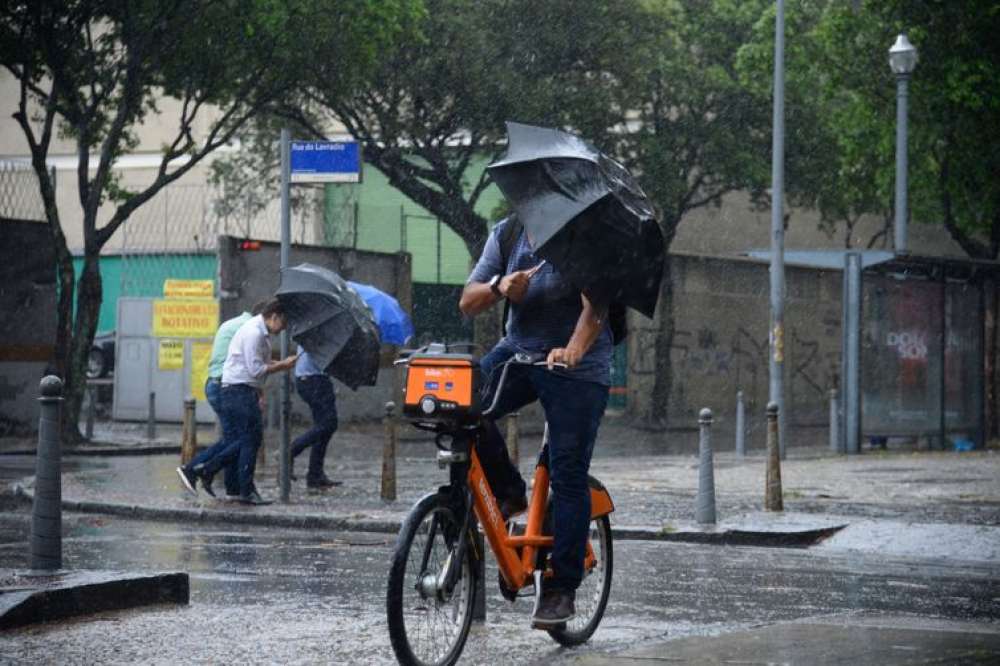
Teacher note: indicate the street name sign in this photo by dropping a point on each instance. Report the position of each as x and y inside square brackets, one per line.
[325, 162]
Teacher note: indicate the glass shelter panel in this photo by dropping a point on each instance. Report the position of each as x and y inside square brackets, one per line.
[901, 360]
[963, 355]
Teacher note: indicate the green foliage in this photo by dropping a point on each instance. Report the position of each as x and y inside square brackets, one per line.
[841, 112]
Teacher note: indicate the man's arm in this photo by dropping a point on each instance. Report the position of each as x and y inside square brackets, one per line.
[479, 296]
[589, 325]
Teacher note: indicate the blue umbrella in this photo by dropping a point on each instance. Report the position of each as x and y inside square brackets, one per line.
[394, 325]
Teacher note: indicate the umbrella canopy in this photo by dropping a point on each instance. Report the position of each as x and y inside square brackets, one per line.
[394, 325]
[331, 322]
[585, 213]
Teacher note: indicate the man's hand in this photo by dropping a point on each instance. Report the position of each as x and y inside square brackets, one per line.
[284, 364]
[570, 356]
[515, 285]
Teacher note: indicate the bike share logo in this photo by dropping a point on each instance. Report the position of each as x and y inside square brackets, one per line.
[491, 506]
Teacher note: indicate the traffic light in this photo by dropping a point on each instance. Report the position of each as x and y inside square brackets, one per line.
[250, 245]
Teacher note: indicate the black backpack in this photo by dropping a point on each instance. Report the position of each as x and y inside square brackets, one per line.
[617, 319]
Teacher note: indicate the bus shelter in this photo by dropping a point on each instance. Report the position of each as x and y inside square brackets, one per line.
[913, 361]
[922, 361]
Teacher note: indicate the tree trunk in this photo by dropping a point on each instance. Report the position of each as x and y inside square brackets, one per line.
[89, 297]
[659, 409]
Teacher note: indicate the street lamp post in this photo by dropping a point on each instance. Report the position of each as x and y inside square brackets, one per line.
[902, 60]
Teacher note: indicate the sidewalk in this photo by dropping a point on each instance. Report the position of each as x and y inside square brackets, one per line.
[941, 505]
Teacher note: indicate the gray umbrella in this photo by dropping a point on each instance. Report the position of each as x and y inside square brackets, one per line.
[584, 213]
[331, 322]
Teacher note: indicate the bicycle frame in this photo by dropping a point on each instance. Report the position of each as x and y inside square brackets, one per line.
[516, 554]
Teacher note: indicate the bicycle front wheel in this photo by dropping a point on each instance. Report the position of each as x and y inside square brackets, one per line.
[428, 622]
[592, 595]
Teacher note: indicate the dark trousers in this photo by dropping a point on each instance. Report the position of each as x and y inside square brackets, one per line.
[317, 391]
[213, 392]
[573, 411]
[242, 427]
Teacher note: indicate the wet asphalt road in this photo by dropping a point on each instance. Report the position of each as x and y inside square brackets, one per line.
[278, 596]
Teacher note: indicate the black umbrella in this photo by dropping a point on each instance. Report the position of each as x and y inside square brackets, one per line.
[585, 213]
[331, 322]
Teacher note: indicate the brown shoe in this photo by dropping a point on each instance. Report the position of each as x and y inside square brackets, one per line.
[512, 506]
[555, 608]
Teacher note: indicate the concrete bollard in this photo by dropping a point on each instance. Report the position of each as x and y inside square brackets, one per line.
[189, 432]
[513, 439]
[151, 418]
[741, 426]
[705, 503]
[772, 484]
[46, 510]
[834, 423]
[389, 454]
[91, 410]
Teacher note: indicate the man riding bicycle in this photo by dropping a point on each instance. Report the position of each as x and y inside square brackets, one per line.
[547, 316]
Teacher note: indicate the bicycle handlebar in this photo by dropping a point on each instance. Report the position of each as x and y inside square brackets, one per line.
[517, 359]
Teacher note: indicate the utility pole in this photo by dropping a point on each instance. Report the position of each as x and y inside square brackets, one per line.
[776, 333]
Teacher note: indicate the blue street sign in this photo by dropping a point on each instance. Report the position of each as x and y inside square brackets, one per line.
[325, 162]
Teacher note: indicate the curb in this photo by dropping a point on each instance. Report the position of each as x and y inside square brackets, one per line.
[85, 593]
[105, 452]
[775, 539]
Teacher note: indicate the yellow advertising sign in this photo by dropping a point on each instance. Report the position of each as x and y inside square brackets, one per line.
[171, 355]
[188, 288]
[201, 352]
[185, 318]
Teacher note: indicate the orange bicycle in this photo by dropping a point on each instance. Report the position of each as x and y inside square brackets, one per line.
[432, 580]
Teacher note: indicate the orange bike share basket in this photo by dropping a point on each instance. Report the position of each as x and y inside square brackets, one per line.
[441, 386]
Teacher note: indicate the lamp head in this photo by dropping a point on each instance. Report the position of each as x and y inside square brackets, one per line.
[902, 56]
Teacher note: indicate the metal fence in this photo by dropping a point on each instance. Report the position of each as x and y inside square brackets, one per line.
[20, 198]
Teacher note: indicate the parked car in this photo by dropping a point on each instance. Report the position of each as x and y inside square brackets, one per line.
[101, 360]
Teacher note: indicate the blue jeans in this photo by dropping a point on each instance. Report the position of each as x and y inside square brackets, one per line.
[242, 430]
[573, 411]
[213, 392]
[317, 391]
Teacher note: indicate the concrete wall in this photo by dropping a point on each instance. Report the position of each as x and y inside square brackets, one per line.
[249, 276]
[28, 324]
[721, 345]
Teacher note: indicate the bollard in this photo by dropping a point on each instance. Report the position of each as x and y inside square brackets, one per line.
[834, 423]
[705, 503]
[91, 409]
[741, 427]
[772, 487]
[513, 437]
[151, 422]
[189, 432]
[389, 454]
[46, 510]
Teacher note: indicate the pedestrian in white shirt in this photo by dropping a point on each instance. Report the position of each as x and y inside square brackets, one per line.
[248, 363]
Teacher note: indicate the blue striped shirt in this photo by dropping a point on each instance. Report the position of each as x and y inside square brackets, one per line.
[548, 314]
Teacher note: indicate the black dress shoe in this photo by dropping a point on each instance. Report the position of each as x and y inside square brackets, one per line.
[555, 608]
[325, 482]
[254, 499]
[206, 484]
[189, 479]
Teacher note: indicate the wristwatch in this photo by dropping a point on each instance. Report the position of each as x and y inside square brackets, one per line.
[495, 285]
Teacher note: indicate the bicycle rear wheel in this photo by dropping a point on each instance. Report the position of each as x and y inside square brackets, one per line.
[592, 595]
[428, 625]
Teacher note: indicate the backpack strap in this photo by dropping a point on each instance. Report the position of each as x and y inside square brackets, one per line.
[508, 237]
